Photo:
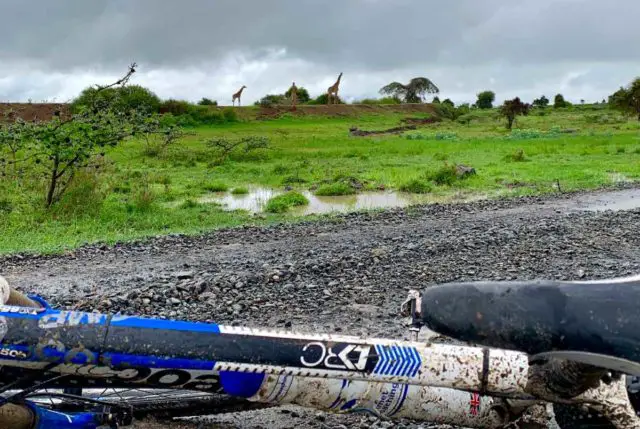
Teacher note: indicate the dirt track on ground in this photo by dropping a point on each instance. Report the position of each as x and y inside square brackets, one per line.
[347, 274]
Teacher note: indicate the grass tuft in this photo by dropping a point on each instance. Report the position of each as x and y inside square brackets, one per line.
[282, 203]
[335, 189]
[240, 191]
[216, 187]
[416, 186]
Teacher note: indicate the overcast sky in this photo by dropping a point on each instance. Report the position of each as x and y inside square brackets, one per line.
[189, 49]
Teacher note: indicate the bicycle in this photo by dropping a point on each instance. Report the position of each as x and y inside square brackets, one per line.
[77, 370]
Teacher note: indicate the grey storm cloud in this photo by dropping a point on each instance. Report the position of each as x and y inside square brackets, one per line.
[463, 44]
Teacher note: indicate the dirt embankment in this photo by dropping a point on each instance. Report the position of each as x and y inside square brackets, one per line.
[45, 111]
[340, 110]
[32, 111]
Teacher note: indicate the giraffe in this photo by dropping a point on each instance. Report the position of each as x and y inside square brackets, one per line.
[294, 95]
[332, 91]
[237, 96]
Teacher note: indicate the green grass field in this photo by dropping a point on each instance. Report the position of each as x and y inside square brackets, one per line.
[137, 195]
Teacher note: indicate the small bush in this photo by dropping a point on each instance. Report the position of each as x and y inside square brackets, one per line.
[620, 150]
[175, 107]
[205, 116]
[337, 188]
[270, 100]
[324, 99]
[439, 156]
[129, 97]
[416, 186]
[517, 156]
[445, 175]
[284, 202]
[207, 102]
[216, 187]
[240, 191]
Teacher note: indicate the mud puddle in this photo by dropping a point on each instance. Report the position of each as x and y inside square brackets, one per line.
[627, 199]
[256, 199]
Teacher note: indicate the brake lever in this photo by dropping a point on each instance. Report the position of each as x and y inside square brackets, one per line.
[411, 308]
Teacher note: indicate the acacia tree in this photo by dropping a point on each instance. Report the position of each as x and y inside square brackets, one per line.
[512, 108]
[60, 147]
[412, 92]
[541, 102]
[627, 99]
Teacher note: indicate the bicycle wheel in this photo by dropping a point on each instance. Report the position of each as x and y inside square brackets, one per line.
[142, 402]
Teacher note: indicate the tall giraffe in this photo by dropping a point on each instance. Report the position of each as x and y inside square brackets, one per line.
[237, 96]
[332, 92]
[294, 95]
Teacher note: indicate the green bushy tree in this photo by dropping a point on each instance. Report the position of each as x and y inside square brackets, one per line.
[627, 99]
[486, 99]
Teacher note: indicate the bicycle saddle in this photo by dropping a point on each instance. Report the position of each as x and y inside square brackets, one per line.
[596, 322]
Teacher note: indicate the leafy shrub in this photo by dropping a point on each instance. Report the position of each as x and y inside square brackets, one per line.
[302, 95]
[240, 191]
[336, 188]
[216, 187]
[207, 102]
[270, 100]
[122, 99]
[416, 186]
[324, 99]
[282, 203]
[517, 156]
[445, 175]
[202, 115]
[439, 156]
[175, 107]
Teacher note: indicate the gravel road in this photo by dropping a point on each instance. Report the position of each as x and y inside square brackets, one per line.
[344, 274]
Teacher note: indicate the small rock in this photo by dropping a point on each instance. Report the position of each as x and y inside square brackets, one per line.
[174, 301]
[146, 301]
[183, 275]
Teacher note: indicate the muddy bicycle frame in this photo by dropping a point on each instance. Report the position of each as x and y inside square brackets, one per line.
[470, 386]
